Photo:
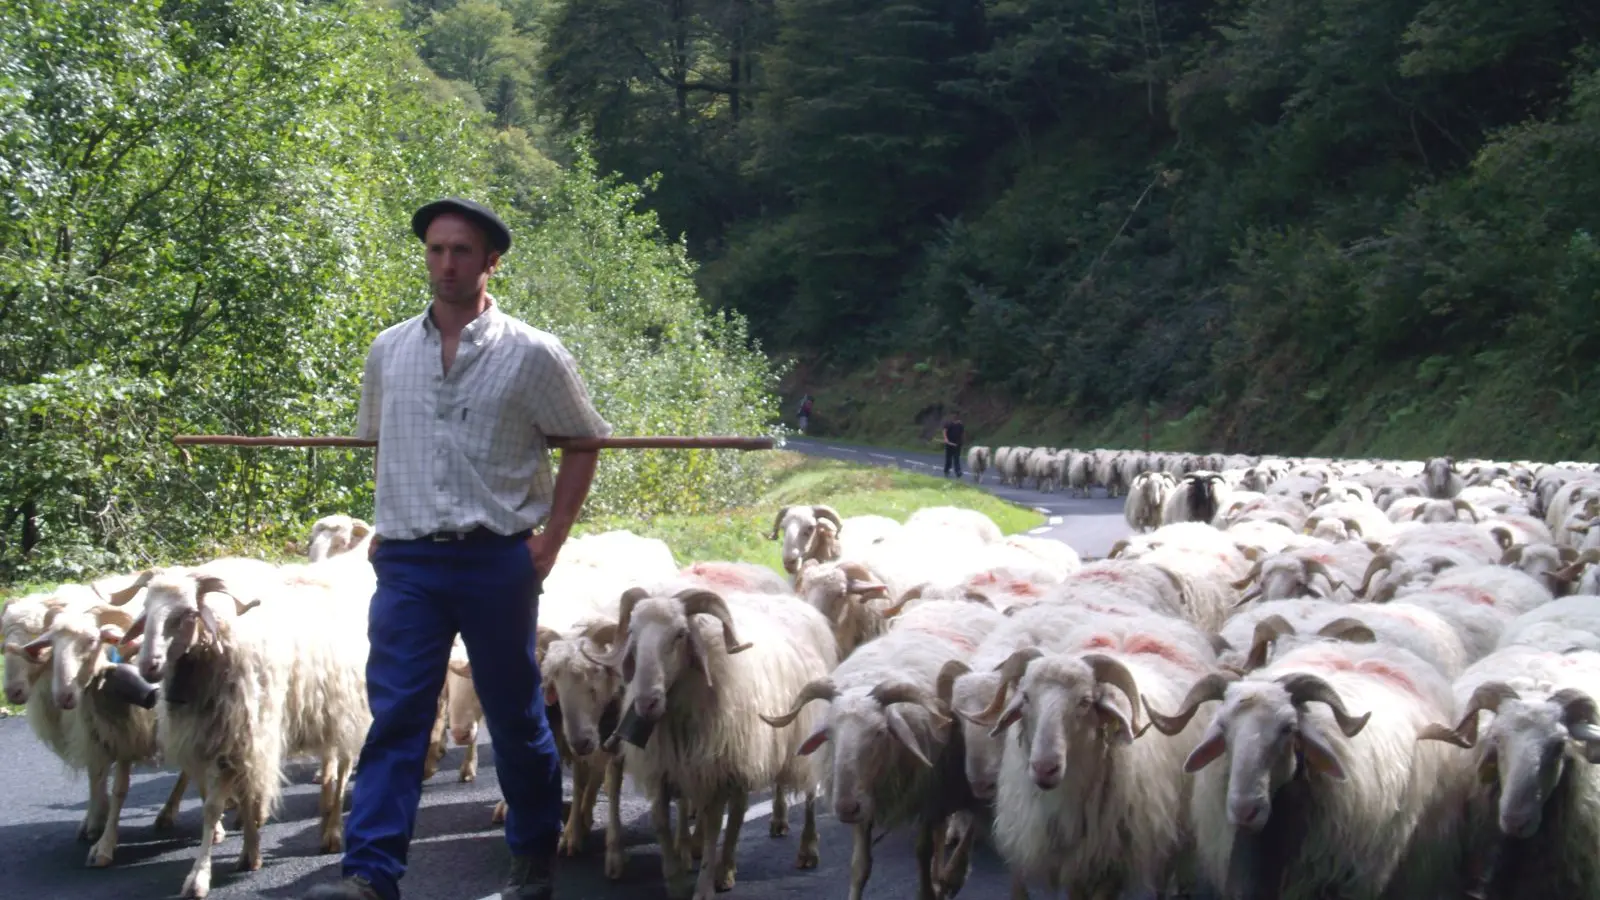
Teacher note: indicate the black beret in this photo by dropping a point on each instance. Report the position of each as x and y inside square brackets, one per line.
[499, 234]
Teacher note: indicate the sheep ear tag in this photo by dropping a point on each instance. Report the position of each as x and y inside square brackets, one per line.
[633, 729]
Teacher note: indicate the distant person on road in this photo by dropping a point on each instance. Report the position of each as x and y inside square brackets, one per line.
[954, 436]
[805, 413]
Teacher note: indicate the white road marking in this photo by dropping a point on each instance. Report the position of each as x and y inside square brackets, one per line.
[1056, 520]
[880, 456]
[1042, 529]
[1041, 510]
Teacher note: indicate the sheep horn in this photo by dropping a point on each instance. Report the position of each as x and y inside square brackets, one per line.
[1267, 631]
[1118, 547]
[827, 512]
[945, 686]
[820, 689]
[777, 523]
[1010, 673]
[119, 598]
[1489, 696]
[1567, 554]
[890, 692]
[1503, 537]
[1348, 629]
[1461, 505]
[1513, 554]
[112, 615]
[1577, 707]
[1211, 687]
[619, 648]
[1111, 671]
[1354, 527]
[913, 593]
[1303, 688]
[1252, 594]
[1318, 567]
[544, 638]
[1381, 562]
[699, 600]
[1246, 581]
[601, 634]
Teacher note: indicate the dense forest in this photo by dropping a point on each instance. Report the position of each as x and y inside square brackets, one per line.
[207, 208]
[1314, 223]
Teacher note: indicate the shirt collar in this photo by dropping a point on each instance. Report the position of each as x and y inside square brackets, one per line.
[476, 330]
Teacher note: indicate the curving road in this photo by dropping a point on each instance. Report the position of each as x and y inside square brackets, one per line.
[456, 854]
[1090, 525]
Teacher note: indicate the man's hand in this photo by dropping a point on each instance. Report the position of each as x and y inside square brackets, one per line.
[543, 547]
[372, 547]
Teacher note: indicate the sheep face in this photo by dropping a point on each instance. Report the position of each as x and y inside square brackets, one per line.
[1528, 750]
[663, 639]
[1438, 475]
[970, 693]
[878, 737]
[585, 690]
[77, 644]
[1067, 713]
[1264, 727]
[169, 623]
[333, 535]
[22, 667]
[808, 532]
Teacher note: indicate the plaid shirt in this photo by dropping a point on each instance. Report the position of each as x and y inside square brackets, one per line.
[467, 448]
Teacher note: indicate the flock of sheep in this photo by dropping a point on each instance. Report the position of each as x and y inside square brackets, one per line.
[1275, 688]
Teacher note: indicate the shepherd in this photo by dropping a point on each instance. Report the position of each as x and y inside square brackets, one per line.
[460, 399]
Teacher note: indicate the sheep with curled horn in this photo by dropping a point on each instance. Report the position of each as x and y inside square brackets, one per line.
[808, 532]
[1086, 798]
[1323, 571]
[1535, 805]
[885, 747]
[852, 599]
[1198, 497]
[698, 669]
[1347, 803]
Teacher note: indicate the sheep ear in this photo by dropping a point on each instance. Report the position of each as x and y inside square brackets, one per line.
[1116, 725]
[1207, 751]
[817, 739]
[1319, 756]
[1009, 717]
[34, 650]
[550, 698]
[697, 654]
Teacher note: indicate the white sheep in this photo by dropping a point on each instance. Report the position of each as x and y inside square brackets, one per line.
[1294, 573]
[734, 577]
[1575, 620]
[1536, 806]
[807, 532]
[701, 691]
[243, 691]
[1439, 478]
[886, 740]
[338, 535]
[1336, 803]
[1147, 495]
[978, 462]
[956, 518]
[1082, 803]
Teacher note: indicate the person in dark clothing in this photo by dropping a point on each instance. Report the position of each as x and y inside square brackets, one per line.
[954, 436]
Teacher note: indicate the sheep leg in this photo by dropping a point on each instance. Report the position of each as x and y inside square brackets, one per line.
[104, 849]
[168, 817]
[1019, 888]
[953, 874]
[809, 855]
[253, 813]
[728, 865]
[779, 825]
[614, 858]
[469, 764]
[219, 834]
[688, 849]
[673, 870]
[94, 821]
[198, 884]
[861, 860]
[586, 776]
[332, 805]
[498, 817]
[925, 848]
[710, 824]
[437, 742]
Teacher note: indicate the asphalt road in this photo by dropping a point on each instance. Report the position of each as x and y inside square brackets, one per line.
[1090, 525]
[456, 854]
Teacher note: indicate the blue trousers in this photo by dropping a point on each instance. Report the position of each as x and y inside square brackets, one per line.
[427, 592]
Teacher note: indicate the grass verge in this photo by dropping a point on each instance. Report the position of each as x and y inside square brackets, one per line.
[854, 490]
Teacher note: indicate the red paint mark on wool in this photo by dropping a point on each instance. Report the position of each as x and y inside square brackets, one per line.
[1023, 589]
[1099, 641]
[1102, 575]
[1321, 558]
[1374, 667]
[954, 637]
[1109, 610]
[1473, 595]
[983, 578]
[718, 574]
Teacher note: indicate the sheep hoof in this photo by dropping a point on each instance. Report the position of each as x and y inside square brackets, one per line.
[197, 885]
[807, 858]
[499, 816]
[571, 843]
[614, 864]
[249, 862]
[680, 886]
[167, 821]
[725, 880]
[469, 777]
[778, 828]
[219, 834]
[99, 859]
[88, 833]
[333, 843]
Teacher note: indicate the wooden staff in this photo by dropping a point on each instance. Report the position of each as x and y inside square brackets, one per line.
[669, 442]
